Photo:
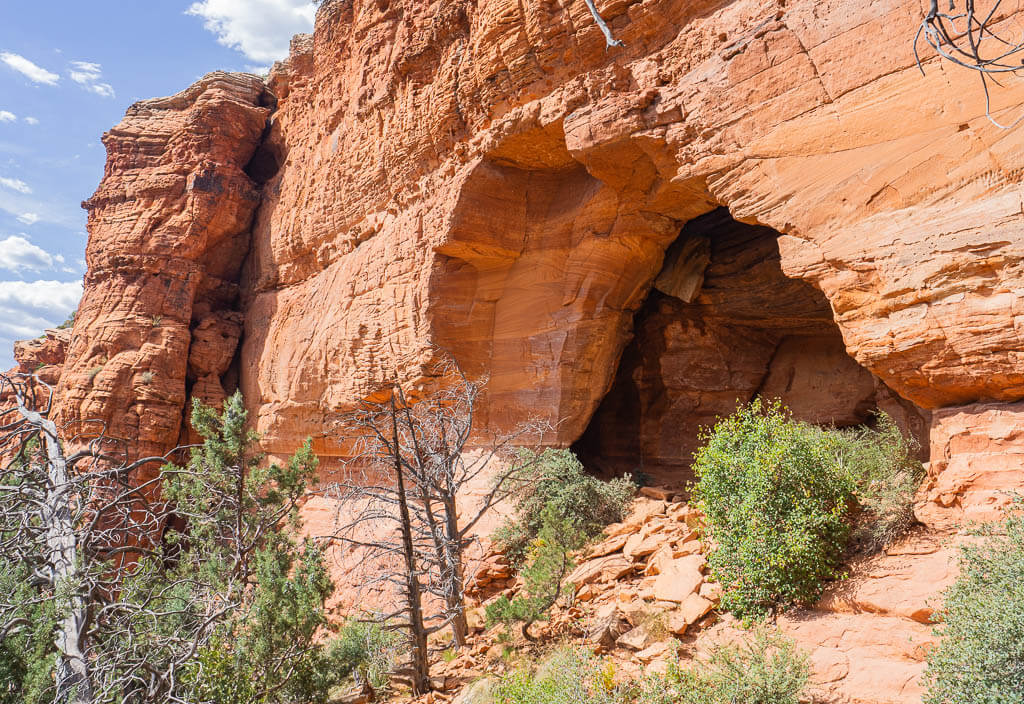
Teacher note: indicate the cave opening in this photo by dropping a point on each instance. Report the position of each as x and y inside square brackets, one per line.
[722, 325]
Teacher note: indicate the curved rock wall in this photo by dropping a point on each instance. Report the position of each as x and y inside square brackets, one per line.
[489, 179]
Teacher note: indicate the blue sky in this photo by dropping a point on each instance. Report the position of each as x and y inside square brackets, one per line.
[68, 71]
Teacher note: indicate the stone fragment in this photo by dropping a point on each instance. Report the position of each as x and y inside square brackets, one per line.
[637, 638]
[609, 545]
[679, 578]
[606, 626]
[638, 546]
[605, 569]
[656, 651]
[694, 608]
[712, 591]
[658, 493]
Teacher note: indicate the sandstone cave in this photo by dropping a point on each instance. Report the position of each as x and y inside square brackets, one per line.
[722, 325]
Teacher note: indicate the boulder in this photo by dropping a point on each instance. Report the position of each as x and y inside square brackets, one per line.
[679, 578]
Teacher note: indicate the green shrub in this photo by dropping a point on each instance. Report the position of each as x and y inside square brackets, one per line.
[567, 675]
[980, 655]
[765, 670]
[366, 649]
[775, 500]
[886, 474]
[777, 495]
[547, 563]
[557, 479]
[27, 653]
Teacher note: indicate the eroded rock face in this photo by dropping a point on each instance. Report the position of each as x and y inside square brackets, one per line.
[504, 187]
[487, 179]
[43, 356]
[169, 230]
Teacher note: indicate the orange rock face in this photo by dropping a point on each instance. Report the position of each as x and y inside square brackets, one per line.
[489, 179]
[505, 188]
[169, 230]
[44, 356]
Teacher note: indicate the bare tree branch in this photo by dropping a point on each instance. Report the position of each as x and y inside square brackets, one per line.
[608, 36]
[968, 38]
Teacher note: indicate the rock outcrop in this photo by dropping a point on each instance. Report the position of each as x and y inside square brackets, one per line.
[489, 180]
[43, 356]
[169, 230]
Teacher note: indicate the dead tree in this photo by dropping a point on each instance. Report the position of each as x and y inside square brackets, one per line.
[402, 493]
[967, 37]
[609, 38]
[89, 529]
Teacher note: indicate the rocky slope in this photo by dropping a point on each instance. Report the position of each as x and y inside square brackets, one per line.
[749, 197]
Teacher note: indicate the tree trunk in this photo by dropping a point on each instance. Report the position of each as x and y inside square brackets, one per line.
[420, 675]
[72, 675]
[456, 595]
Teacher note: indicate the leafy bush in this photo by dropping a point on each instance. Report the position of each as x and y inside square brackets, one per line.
[765, 670]
[775, 501]
[557, 479]
[777, 495]
[566, 676]
[980, 656]
[366, 649]
[886, 474]
[27, 653]
[268, 647]
[547, 564]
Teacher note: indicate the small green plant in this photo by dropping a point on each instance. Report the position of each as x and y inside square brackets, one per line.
[775, 500]
[94, 372]
[557, 479]
[882, 464]
[766, 669]
[547, 563]
[368, 649]
[156, 320]
[980, 655]
[567, 675]
[147, 378]
[68, 322]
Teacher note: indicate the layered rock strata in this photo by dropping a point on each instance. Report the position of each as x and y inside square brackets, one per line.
[489, 180]
[169, 231]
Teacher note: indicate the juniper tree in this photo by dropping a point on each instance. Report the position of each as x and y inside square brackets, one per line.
[134, 574]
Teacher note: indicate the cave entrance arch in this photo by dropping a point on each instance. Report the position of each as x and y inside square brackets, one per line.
[722, 325]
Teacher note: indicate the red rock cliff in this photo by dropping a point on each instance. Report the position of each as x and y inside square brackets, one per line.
[749, 197]
[169, 231]
[489, 179]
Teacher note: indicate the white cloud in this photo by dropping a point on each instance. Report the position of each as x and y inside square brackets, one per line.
[15, 184]
[85, 71]
[31, 120]
[260, 29]
[88, 74]
[34, 73]
[6, 116]
[28, 218]
[18, 254]
[29, 307]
